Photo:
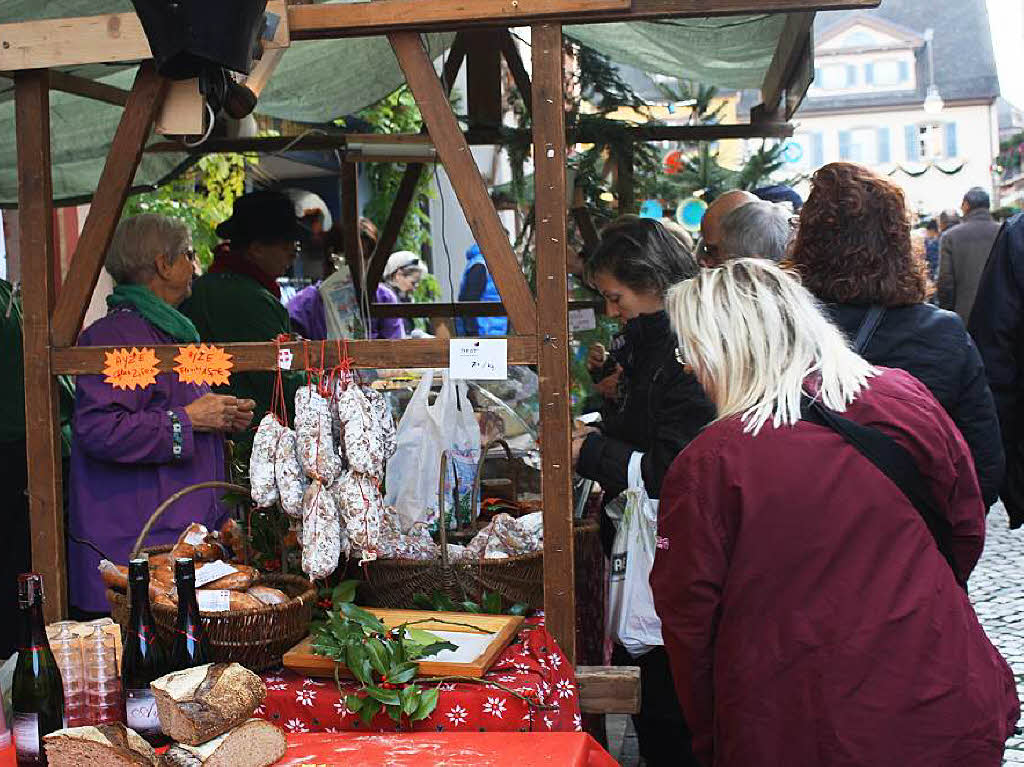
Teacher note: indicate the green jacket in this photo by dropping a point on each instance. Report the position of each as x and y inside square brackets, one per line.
[231, 308]
[12, 376]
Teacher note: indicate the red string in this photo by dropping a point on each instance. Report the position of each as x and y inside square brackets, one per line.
[278, 405]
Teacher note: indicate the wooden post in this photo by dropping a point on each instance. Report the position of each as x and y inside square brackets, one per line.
[350, 224]
[483, 76]
[42, 418]
[516, 68]
[624, 181]
[105, 211]
[553, 334]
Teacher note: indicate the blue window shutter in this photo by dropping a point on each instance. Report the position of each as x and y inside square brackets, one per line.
[851, 75]
[884, 151]
[817, 76]
[951, 140]
[844, 145]
[904, 71]
[817, 150]
[913, 150]
[869, 73]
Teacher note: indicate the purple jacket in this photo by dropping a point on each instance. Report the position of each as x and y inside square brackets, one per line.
[386, 327]
[306, 310]
[123, 464]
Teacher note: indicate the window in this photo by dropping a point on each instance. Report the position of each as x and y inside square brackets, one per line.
[888, 73]
[859, 145]
[835, 77]
[931, 141]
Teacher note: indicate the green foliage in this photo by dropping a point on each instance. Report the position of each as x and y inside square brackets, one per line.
[397, 113]
[382, 660]
[489, 604]
[202, 197]
[427, 291]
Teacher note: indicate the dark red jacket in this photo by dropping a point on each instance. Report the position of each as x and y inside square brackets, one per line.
[809, 617]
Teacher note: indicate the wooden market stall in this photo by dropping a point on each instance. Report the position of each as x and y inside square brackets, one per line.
[36, 51]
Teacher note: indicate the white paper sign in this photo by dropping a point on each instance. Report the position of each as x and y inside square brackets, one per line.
[478, 359]
[211, 571]
[582, 319]
[284, 359]
[213, 600]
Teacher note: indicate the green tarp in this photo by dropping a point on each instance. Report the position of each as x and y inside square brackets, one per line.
[319, 81]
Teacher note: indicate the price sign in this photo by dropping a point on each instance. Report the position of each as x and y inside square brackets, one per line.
[130, 368]
[482, 359]
[203, 365]
[284, 359]
[582, 319]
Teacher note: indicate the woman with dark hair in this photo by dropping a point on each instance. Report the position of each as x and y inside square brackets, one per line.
[660, 408]
[853, 252]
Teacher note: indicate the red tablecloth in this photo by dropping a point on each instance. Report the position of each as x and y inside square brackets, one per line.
[457, 749]
[533, 666]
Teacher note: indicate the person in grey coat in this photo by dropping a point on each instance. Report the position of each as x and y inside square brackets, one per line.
[963, 252]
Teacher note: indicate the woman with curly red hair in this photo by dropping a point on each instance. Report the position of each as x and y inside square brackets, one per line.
[853, 252]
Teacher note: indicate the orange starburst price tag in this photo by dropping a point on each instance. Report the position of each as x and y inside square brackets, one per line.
[130, 368]
[203, 364]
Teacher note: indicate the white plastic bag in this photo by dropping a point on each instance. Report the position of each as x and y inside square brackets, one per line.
[632, 621]
[425, 431]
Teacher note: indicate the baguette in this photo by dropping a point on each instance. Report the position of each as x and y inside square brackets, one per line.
[256, 743]
[110, 745]
[268, 595]
[238, 600]
[238, 581]
[114, 576]
[198, 704]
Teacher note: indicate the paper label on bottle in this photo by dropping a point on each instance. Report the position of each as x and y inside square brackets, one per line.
[211, 571]
[26, 735]
[213, 600]
[140, 710]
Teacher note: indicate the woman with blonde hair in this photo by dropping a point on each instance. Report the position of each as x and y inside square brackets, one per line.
[810, 613]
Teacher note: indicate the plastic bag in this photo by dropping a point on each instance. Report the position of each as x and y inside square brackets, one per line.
[425, 431]
[341, 306]
[632, 621]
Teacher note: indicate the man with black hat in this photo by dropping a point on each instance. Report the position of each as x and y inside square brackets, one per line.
[239, 298]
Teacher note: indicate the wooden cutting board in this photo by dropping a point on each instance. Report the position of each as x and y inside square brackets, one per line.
[303, 660]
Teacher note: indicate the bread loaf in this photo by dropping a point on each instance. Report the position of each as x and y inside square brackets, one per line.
[198, 704]
[268, 595]
[110, 745]
[256, 743]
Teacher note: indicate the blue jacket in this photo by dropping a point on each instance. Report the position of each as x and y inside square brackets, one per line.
[482, 326]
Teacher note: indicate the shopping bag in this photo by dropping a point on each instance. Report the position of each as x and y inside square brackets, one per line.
[425, 431]
[632, 621]
[341, 307]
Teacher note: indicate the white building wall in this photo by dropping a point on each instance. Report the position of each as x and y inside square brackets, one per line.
[976, 144]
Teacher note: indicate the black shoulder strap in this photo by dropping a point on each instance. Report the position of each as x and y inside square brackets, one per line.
[893, 460]
[868, 326]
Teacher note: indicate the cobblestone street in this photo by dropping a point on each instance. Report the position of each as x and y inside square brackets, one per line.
[997, 590]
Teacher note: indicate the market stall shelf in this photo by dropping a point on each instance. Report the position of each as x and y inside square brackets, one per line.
[531, 687]
[497, 630]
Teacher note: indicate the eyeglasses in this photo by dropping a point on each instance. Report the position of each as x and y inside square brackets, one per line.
[190, 254]
[705, 252]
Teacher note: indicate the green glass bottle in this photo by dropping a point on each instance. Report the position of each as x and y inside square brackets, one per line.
[143, 658]
[37, 696]
[190, 647]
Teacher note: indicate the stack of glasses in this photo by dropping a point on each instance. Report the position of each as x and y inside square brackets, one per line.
[67, 651]
[103, 697]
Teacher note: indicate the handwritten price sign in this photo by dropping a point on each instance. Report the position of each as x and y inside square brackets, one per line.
[203, 365]
[130, 368]
[478, 359]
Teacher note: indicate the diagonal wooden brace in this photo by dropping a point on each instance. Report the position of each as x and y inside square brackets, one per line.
[466, 180]
[105, 212]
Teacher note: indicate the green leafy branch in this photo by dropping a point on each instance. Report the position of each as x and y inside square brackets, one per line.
[489, 604]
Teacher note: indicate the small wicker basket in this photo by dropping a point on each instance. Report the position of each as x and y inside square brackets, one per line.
[255, 638]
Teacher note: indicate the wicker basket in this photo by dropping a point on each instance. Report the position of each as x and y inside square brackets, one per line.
[394, 582]
[256, 638]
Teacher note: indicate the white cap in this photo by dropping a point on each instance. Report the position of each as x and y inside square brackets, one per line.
[403, 259]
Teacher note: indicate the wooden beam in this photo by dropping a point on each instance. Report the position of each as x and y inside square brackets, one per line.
[350, 224]
[105, 211]
[248, 357]
[549, 159]
[313, 143]
[483, 76]
[42, 418]
[411, 178]
[90, 89]
[792, 43]
[466, 180]
[517, 69]
[608, 689]
[625, 190]
[801, 79]
[460, 309]
[316, 22]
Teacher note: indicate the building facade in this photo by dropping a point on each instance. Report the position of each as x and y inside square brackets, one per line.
[909, 89]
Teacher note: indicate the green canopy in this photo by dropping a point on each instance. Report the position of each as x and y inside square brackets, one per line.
[318, 81]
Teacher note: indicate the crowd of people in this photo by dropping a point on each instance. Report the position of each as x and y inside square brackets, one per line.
[816, 422]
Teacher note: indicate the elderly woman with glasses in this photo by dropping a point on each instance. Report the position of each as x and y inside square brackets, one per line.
[134, 448]
[810, 614]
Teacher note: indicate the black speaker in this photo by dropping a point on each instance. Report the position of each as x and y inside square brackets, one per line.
[188, 36]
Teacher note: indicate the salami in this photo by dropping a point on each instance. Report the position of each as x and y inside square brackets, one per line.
[262, 483]
[291, 480]
[363, 444]
[315, 438]
[362, 511]
[321, 532]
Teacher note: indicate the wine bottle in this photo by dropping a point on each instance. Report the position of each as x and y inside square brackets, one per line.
[190, 647]
[143, 658]
[37, 696]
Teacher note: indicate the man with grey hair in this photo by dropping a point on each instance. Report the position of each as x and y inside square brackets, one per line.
[758, 229]
[963, 253]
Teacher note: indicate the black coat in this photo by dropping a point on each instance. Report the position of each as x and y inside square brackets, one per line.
[933, 346]
[997, 324]
[660, 409]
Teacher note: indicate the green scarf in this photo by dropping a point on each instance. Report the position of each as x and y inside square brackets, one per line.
[154, 309]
